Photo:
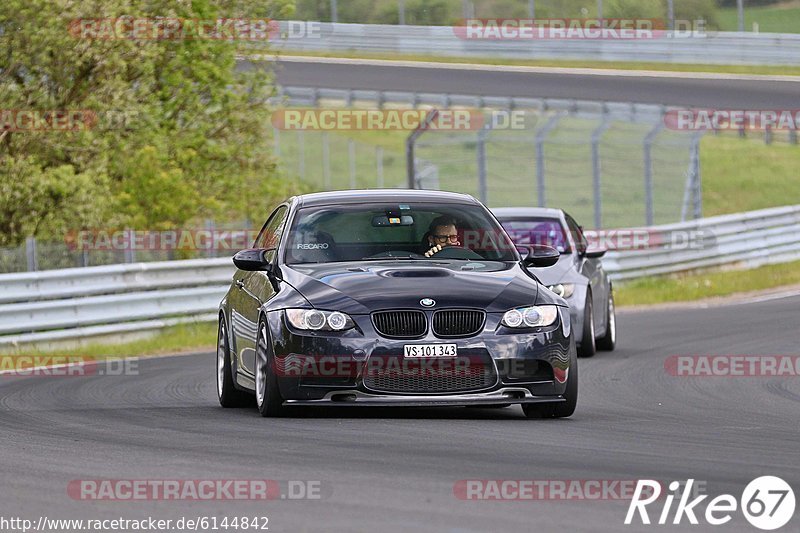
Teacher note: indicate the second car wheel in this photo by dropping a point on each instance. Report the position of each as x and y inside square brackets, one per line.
[587, 347]
[609, 339]
[268, 397]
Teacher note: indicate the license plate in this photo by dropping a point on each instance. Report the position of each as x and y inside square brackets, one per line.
[430, 350]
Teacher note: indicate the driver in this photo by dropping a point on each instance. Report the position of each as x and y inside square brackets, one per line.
[442, 233]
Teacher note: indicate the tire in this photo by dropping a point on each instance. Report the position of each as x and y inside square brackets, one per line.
[609, 339]
[268, 397]
[558, 410]
[228, 394]
[587, 347]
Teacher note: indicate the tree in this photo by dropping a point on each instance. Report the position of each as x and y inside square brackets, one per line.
[167, 130]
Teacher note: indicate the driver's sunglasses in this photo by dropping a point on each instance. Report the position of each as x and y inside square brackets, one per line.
[443, 238]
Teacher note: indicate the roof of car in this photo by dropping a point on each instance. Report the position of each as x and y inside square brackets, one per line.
[382, 195]
[546, 212]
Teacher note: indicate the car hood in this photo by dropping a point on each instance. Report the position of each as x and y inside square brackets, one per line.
[361, 288]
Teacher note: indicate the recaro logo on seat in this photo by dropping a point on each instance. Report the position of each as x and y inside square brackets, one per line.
[313, 246]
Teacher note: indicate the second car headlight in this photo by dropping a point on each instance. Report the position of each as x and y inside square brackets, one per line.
[530, 317]
[316, 320]
[564, 290]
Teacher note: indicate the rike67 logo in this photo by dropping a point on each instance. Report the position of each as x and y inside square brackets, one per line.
[767, 502]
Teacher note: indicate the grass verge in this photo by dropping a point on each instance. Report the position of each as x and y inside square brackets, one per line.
[191, 337]
[779, 18]
[697, 286]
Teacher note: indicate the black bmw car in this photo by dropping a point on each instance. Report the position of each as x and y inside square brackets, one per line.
[393, 298]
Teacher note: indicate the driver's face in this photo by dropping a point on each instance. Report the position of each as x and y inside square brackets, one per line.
[445, 236]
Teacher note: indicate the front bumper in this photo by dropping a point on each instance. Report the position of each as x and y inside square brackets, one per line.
[505, 395]
[529, 366]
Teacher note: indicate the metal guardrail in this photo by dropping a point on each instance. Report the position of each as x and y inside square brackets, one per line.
[732, 48]
[742, 240]
[79, 303]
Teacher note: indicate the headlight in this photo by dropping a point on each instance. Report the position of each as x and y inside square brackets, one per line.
[316, 320]
[564, 290]
[530, 317]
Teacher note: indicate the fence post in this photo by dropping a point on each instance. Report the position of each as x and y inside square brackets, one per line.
[540, 138]
[482, 164]
[670, 15]
[793, 136]
[210, 228]
[411, 171]
[401, 12]
[596, 170]
[326, 162]
[130, 255]
[649, 215]
[301, 156]
[351, 155]
[697, 187]
[30, 254]
[379, 163]
[276, 138]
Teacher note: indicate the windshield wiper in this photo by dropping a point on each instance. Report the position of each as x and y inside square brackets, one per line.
[391, 257]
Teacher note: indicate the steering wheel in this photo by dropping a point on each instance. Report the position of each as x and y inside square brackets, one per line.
[456, 252]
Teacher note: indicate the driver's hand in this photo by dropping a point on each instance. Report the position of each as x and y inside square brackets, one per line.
[435, 249]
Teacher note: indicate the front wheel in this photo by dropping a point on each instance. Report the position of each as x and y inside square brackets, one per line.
[609, 339]
[587, 347]
[268, 397]
[228, 394]
[558, 410]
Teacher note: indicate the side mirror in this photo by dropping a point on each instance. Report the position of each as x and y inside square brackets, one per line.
[595, 253]
[251, 260]
[540, 255]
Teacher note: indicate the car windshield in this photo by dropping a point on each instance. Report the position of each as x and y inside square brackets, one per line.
[528, 231]
[412, 231]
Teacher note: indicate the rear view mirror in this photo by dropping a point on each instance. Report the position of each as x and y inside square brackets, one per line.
[251, 260]
[540, 255]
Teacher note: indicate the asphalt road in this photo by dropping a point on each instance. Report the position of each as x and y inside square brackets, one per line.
[713, 93]
[394, 470]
